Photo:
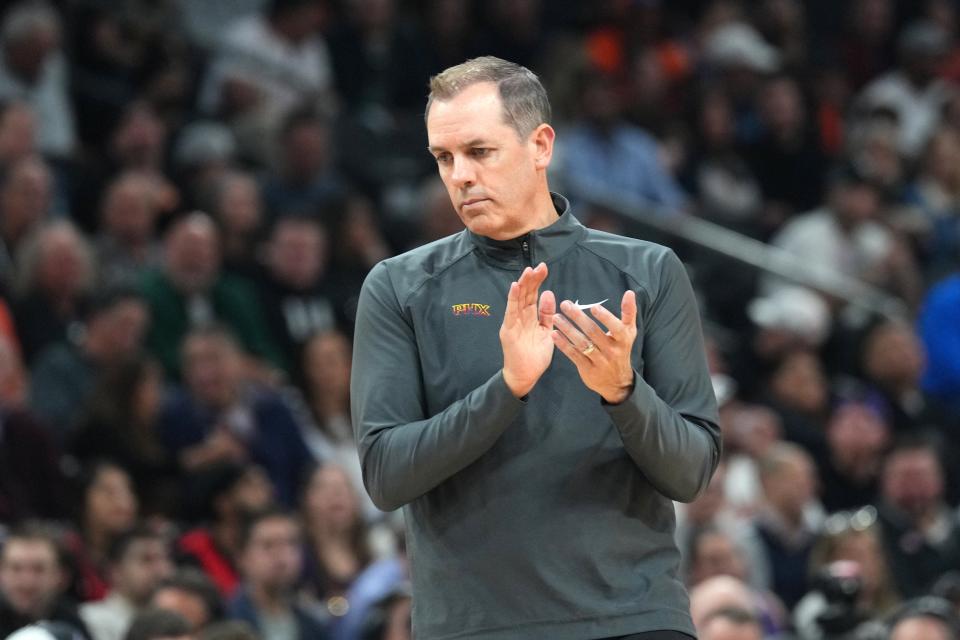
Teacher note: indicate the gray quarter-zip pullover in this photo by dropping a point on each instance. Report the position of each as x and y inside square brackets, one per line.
[549, 517]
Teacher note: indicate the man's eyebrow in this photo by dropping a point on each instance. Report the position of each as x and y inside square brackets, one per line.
[476, 142]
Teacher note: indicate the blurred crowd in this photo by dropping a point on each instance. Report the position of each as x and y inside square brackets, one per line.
[191, 194]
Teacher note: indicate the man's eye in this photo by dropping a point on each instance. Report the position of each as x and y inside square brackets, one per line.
[443, 158]
[479, 152]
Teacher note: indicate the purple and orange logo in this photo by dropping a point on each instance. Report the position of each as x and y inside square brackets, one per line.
[471, 309]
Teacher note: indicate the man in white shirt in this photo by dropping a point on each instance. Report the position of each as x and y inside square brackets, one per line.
[140, 561]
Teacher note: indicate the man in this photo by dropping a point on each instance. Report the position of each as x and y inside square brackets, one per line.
[65, 373]
[920, 531]
[158, 624]
[731, 624]
[139, 561]
[31, 582]
[272, 561]
[537, 490]
[218, 418]
[192, 595]
[190, 290]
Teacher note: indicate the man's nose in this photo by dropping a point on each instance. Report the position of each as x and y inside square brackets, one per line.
[462, 173]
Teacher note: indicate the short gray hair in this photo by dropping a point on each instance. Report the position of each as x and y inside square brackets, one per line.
[525, 102]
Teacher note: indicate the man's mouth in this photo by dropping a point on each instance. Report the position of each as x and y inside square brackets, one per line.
[470, 201]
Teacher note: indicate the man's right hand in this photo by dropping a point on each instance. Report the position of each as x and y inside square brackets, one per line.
[525, 332]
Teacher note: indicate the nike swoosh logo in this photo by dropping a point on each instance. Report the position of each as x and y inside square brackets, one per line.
[577, 304]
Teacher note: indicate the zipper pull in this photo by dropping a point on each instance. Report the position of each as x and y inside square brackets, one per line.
[525, 248]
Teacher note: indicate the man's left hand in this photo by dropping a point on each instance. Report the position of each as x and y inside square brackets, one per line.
[602, 358]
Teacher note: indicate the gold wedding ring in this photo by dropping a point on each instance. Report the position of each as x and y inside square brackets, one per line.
[590, 349]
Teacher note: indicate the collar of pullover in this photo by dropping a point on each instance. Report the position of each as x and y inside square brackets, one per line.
[539, 245]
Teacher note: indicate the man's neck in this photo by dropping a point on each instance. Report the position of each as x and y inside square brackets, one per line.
[544, 213]
[270, 602]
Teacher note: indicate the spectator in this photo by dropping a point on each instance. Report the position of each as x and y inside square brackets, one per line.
[929, 618]
[730, 624]
[338, 549]
[294, 292]
[271, 562]
[267, 64]
[326, 421]
[33, 69]
[306, 179]
[25, 200]
[31, 581]
[65, 373]
[784, 526]
[158, 624]
[18, 133]
[786, 159]
[849, 537]
[126, 248]
[31, 482]
[921, 533]
[108, 508]
[434, 214]
[857, 436]
[218, 418]
[231, 492]
[193, 595]
[190, 291]
[139, 559]
[56, 275]
[120, 423]
[932, 219]
[844, 238]
[604, 154]
[913, 91]
[238, 210]
[798, 390]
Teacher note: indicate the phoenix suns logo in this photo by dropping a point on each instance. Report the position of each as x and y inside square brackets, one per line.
[471, 309]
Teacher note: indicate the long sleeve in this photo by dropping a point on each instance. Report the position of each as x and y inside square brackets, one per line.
[669, 422]
[405, 453]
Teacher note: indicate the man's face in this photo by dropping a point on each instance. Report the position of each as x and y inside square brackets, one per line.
[272, 559]
[30, 576]
[297, 254]
[210, 368]
[913, 481]
[188, 604]
[193, 256]
[125, 323]
[491, 174]
[144, 565]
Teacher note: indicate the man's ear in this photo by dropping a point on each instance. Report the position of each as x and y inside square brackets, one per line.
[541, 142]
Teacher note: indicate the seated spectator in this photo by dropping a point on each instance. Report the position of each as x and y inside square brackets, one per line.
[32, 578]
[722, 592]
[798, 390]
[305, 180]
[193, 595]
[120, 423]
[229, 493]
[271, 561]
[65, 373]
[921, 533]
[857, 436]
[125, 245]
[190, 291]
[851, 539]
[932, 215]
[26, 194]
[55, 273]
[784, 524]
[237, 207]
[602, 154]
[139, 560]
[730, 624]
[31, 481]
[325, 408]
[266, 64]
[108, 508]
[18, 133]
[33, 68]
[339, 554]
[295, 294]
[927, 618]
[217, 417]
[843, 237]
[158, 624]
[913, 90]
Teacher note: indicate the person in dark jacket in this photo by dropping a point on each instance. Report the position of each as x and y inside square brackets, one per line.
[537, 487]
